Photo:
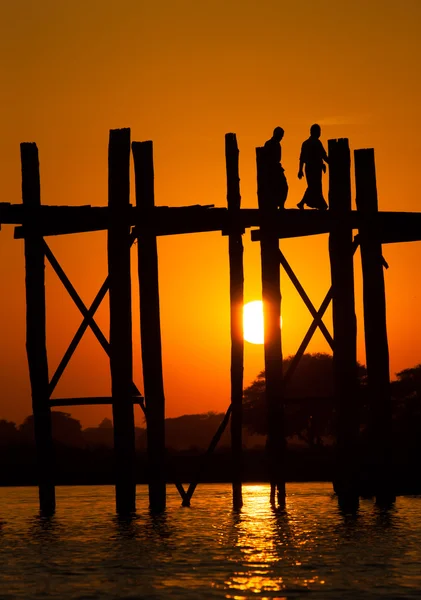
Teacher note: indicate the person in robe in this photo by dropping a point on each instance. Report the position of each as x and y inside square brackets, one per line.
[277, 186]
[313, 158]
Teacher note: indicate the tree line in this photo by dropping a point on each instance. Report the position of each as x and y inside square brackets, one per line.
[310, 407]
[309, 412]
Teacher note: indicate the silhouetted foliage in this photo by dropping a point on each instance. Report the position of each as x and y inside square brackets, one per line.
[406, 399]
[66, 429]
[309, 407]
[8, 433]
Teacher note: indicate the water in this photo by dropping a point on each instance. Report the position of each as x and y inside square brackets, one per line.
[310, 550]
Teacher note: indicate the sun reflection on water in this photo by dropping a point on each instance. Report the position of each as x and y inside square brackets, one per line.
[270, 541]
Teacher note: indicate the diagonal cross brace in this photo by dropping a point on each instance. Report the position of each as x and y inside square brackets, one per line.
[317, 319]
[88, 320]
[205, 457]
[306, 340]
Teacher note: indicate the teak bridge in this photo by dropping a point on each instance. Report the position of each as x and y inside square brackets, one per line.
[144, 222]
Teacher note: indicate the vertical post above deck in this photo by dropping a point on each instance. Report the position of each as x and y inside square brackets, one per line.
[344, 323]
[36, 347]
[375, 328]
[150, 326]
[121, 352]
[271, 294]
[235, 245]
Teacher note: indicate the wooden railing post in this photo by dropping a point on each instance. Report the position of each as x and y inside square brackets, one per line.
[150, 326]
[36, 347]
[375, 328]
[235, 244]
[121, 360]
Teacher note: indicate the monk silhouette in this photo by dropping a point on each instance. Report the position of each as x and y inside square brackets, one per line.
[277, 186]
[314, 157]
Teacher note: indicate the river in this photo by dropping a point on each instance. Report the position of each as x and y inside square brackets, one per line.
[309, 550]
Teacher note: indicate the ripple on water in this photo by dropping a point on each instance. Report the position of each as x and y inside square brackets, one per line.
[207, 551]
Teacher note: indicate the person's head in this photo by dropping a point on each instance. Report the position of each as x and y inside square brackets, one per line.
[278, 134]
[315, 131]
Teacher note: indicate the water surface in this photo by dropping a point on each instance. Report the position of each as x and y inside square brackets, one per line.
[309, 550]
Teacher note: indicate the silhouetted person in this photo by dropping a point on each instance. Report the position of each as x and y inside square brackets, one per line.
[277, 186]
[313, 156]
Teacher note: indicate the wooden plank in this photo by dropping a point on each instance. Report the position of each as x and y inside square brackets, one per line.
[150, 328]
[271, 294]
[375, 328]
[121, 319]
[341, 251]
[236, 270]
[36, 346]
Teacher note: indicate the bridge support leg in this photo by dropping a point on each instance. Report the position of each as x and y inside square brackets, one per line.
[375, 329]
[235, 243]
[150, 327]
[341, 252]
[36, 347]
[271, 293]
[121, 361]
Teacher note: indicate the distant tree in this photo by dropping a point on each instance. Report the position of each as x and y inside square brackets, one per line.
[103, 435]
[406, 402]
[8, 433]
[194, 431]
[65, 429]
[408, 384]
[309, 404]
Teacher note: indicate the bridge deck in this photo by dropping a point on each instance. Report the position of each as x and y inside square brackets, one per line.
[164, 220]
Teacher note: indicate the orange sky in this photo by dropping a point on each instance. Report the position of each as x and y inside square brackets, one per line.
[184, 73]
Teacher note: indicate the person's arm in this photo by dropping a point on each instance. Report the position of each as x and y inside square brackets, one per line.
[324, 155]
[301, 165]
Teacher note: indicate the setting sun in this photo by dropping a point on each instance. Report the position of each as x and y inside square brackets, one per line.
[253, 322]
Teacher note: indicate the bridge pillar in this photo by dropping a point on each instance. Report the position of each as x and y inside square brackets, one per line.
[341, 252]
[271, 294]
[375, 328]
[121, 361]
[150, 327]
[235, 244]
[36, 346]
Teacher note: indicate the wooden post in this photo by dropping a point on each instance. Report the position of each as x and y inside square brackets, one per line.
[341, 250]
[121, 361]
[36, 347]
[375, 329]
[150, 327]
[271, 294]
[235, 244]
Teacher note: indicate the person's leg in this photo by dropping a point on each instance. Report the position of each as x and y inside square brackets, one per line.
[283, 190]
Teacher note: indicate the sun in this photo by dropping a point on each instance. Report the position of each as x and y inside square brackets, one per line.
[253, 322]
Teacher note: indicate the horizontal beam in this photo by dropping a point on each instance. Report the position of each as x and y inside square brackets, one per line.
[163, 220]
[89, 401]
[393, 227]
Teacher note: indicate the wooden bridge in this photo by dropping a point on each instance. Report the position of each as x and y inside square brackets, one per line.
[144, 222]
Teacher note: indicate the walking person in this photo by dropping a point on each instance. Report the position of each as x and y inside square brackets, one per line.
[277, 186]
[313, 158]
